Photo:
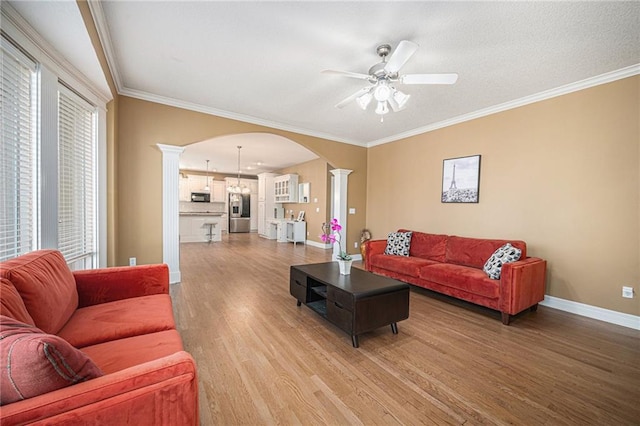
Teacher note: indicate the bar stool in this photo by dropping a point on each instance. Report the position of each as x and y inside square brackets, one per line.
[211, 225]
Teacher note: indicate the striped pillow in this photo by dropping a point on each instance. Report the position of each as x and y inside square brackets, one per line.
[34, 363]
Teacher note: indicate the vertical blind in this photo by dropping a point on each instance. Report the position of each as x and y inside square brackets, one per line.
[18, 194]
[76, 181]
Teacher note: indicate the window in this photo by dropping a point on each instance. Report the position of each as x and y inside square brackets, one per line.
[76, 178]
[18, 154]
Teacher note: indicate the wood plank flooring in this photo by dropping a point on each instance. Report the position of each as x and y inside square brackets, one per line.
[263, 360]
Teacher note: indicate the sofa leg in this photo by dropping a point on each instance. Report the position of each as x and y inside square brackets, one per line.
[506, 318]
[534, 308]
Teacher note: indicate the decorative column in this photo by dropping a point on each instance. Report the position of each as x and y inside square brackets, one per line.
[340, 181]
[171, 209]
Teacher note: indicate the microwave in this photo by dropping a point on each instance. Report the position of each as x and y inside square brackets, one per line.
[200, 197]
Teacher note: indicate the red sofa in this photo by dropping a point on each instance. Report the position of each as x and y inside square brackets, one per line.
[454, 266]
[117, 321]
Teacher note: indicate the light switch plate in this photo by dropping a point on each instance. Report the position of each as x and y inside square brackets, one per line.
[352, 210]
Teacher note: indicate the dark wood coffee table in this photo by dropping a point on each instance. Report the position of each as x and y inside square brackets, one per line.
[356, 303]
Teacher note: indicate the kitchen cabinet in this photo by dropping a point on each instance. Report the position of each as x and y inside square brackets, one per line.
[296, 231]
[218, 191]
[266, 204]
[194, 228]
[286, 188]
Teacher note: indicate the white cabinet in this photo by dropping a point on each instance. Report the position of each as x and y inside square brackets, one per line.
[286, 188]
[195, 229]
[218, 191]
[266, 204]
[296, 231]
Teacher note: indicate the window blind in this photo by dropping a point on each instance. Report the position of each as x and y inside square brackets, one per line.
[76, 177]
[18, 194]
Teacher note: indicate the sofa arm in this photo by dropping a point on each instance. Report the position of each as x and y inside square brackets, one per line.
[159, 392]
[522, 284]
[97, 286]
[373, 247]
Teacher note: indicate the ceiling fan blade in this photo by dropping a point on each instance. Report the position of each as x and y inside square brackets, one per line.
[348, 99]
[449, 78]
[400, 56]
[347, 74]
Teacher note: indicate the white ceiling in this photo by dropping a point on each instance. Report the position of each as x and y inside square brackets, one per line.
[260, 61]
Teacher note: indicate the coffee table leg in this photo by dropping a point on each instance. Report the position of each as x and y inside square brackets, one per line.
[394, 327]
[298, 303]
[354, 341]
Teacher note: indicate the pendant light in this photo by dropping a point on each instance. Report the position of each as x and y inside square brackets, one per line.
[237, 189]
[206, 186]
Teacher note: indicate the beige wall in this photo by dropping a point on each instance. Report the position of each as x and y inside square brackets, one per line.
[316, 173]
[143, 124]
[562, 174]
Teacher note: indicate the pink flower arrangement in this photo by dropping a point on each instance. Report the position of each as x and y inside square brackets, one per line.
[331, 235]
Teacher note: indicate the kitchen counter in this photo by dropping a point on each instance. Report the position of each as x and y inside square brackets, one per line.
[201, 226]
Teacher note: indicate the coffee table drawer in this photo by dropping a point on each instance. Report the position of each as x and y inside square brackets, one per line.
[343, 298]
[298, 285]
[340, 316]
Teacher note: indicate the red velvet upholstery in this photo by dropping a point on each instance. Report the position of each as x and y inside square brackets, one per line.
[401, 264]
[474, 252]
[11, 304]
[148, 379]
[119, 319]
[106, 285]
[46, 286]
[464, 278]
[460, 273]
[428, 246]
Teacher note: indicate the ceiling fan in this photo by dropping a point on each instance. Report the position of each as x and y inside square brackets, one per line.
[383, 77]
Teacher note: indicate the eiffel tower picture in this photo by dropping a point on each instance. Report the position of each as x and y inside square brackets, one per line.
[461, 180]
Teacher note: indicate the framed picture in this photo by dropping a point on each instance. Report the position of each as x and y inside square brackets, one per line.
[461, 180]
[301, 216]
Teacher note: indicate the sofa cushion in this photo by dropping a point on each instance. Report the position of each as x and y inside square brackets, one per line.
[124, 353]
[400, 264]
[398, 243]
[474, 252]
[46, 286]
[34, 362]
[471, 280]
[11, 304]
[428, 246]
[505, 254]
[115, 320]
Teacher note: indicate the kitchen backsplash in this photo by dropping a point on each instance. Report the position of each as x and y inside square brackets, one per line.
[215, 207]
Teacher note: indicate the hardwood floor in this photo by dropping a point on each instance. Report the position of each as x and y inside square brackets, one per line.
[262, 360]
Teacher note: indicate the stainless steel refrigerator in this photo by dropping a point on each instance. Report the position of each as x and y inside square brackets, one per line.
[239, 213]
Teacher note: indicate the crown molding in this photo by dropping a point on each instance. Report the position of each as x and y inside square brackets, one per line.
[547, 94]
[46, 54]
[230, 115]
[99, 19]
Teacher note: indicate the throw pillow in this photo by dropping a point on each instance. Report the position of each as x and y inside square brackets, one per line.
[34, 363]
[398, 243]
[505, 254]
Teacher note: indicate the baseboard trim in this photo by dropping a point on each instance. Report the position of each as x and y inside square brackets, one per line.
[613, 317]
[175, 277]
[317, 244]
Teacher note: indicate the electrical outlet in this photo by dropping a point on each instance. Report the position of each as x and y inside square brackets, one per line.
[355, 245]
[132, 261]
[627, 292]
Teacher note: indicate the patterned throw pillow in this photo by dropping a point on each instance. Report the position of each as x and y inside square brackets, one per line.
[505, 254]
[34, 363]
[398, 243]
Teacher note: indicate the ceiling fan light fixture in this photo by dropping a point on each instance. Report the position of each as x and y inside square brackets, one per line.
[401, 99]
[382, 91]
[382, 108]
[364, 100]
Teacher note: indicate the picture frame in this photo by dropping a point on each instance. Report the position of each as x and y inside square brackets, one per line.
[301, 216]
[461, 180]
